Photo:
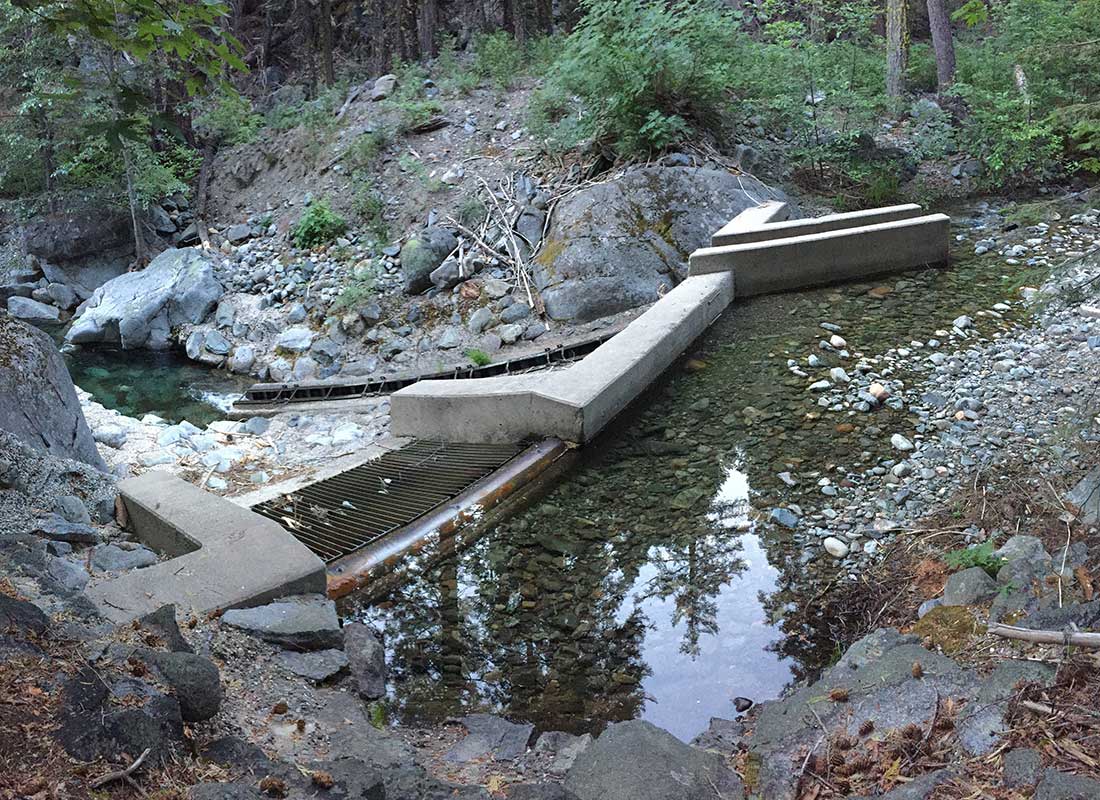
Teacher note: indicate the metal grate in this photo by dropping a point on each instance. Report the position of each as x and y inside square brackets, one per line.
[270, 393]
[341, 514]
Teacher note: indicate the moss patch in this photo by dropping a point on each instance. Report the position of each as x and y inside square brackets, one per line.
[950, 628]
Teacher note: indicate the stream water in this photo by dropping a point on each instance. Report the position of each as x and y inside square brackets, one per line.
[649, 583]
[165, 383]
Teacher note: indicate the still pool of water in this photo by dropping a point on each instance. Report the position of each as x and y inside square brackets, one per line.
[650, 582]
[164, 383]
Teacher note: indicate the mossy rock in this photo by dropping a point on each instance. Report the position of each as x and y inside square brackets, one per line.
[950, 628]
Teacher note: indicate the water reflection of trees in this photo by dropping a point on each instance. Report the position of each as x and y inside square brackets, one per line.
[544, 617]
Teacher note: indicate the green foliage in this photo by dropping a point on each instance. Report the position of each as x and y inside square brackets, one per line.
[319, 225]
[934, 134]
[497, 58]
[369, 205]
[647, 74]
[365, 149]
[972, 13]
[979, 555]
[451, 74]
[227, 117]
[360, 288]
[408, 99]
[479, 357]
[472, 211]
[921, 75]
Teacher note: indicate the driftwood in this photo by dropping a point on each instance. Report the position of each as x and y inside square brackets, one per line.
[1074, 638]
[124, 774]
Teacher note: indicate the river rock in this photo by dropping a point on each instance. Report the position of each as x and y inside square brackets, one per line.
[638, 761]
[295, 340]
[1057, 785]
[38, 402]
[242, 359]
[366, 660]
[112, 558]
[619, 244]
[304, 622]
[33, 311]
[492, 737]
[422, 254]
[317, 667]
[835, 547]
[194, 681]
[968, 587]
[82, 247]
[141, 309]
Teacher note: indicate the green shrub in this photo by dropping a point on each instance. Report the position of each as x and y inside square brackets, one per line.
[497, 58]
[365, 149]
[359, 289]
[979, 555]
[227, 117]
[408, 98]
[647, 73]
[452, 75]
[319, 225]
[472, 211]
[921, 76]
[369, 205]
[479, 357]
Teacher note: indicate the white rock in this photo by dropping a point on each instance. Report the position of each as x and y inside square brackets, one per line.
[899, 442]
[835, 547]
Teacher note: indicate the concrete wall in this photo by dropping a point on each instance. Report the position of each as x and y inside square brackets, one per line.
[238, 558]
[775, 229]
[821, 258]
[575, 404]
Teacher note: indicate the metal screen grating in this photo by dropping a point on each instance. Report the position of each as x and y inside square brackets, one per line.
[338, 515]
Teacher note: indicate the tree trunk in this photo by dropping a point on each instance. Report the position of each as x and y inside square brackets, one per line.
[131, 196]
[897, 46]
[940, 23]
[324, 32]
[426, 26]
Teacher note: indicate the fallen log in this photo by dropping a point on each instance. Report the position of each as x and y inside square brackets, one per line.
[1068, 638]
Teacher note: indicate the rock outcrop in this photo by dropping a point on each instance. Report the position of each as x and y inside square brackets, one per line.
[140, 309]
[38, 402]
[621, 244]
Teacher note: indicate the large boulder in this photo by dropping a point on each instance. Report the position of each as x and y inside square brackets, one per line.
[140, 309]
[78, 234]
[38, 402]
[422, 254]
[620, 244]
[636, 760]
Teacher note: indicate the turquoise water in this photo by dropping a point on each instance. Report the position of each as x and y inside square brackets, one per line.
[650, 582]
[165, 383]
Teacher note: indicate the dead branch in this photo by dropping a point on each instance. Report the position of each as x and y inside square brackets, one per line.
[124, 774]
[1067, 638]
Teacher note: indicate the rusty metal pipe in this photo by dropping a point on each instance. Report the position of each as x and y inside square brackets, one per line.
[360, 569]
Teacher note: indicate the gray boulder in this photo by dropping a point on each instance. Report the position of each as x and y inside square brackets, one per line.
[616, 245]
[33, 311]
[488, 736]
[968, 587]
[194, 680]
[305, 622]
[317, 667]
[638, 761]
[366, 659]
[79, 234]
[141, 309]
[422, 254]
[38, 402]
[1057, 785]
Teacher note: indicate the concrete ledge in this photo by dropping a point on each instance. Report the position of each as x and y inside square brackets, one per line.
[573, 404]
[750, 219]
[751, 230]
[816, 259]
[225, 555]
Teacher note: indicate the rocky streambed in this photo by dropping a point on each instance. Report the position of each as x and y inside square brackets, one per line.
[679, 569]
